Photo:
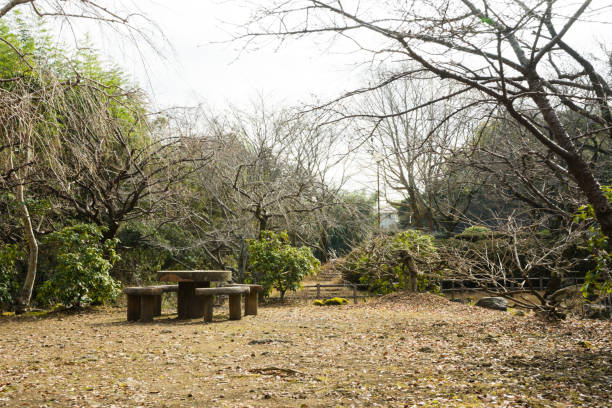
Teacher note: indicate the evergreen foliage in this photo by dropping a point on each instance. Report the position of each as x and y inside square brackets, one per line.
[599, 278]
[82, 272]
[398, 262]
[275, 263]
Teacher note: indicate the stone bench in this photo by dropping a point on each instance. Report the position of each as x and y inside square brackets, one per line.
[143, 303]
[235, 295]
[165, 289]
[251, 300]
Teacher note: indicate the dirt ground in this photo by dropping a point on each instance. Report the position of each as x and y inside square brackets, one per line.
[398, 351]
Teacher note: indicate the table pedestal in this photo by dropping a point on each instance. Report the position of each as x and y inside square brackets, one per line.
[190, 306]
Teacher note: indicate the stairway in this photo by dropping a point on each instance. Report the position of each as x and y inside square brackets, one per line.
[328, 274]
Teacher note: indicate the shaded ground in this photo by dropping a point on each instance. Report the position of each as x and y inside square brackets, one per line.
[398, 351]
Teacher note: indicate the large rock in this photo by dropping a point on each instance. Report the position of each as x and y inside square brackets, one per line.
[495, 303]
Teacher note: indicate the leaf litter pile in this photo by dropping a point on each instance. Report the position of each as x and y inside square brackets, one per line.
[399, 351]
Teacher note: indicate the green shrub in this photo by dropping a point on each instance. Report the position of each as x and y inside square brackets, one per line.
[274, 263]
[388, 263]
[597, 279]
[83, 262]
[475, 233]
[9, 280]
[477, 229]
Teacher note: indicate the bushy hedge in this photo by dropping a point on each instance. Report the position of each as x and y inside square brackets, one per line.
[475, 233]
[9, 277]
[405, 260]
[146, 249]
[275, 263]
[81, 267]
[598, 278]
[496, 249]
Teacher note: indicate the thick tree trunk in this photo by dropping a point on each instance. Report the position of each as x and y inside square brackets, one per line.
[576, 165]
[415, 208]
[263, 225]
[413, 274]
[111, 232]
[324, 240]
[592, 190]
[28, 286]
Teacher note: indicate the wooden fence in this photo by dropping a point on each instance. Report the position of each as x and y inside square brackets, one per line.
[359, 291]
[351, 286]
[467, 285]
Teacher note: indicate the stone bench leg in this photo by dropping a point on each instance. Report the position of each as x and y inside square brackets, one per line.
[133, 307]
[250, 303]
[208, 307]
[235, 309]
[148, 305]
[190, 306]
[158, 306]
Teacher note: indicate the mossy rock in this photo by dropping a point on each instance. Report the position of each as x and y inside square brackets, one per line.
[336, 301]
[331, 302]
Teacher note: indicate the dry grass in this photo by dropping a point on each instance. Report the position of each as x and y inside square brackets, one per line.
[397, 351]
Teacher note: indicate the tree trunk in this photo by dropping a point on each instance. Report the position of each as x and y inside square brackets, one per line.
[111, 232]
[576, 165]
[263, 225]
[595, 196]
[243, 259]
[413, 274]
[324, 240]
[416, 221]
[26, 292]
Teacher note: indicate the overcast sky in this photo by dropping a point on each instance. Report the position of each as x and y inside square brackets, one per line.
[197, 63]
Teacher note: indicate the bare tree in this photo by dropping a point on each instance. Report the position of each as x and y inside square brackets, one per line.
[510, 262]
[268, 171]
[110, 170]
[522, 172]
[417, 149]
[514, 55]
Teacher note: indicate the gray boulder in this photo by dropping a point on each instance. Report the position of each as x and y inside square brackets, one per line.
[495, 303]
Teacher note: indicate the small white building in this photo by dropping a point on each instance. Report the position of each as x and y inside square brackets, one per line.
[389, 220]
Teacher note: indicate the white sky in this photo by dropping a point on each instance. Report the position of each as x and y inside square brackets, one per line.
[197, 64]
[203, 67]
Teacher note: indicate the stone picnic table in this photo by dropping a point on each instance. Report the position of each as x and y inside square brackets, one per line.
[191, 306]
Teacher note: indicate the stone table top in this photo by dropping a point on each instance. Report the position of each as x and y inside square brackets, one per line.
[194, 276]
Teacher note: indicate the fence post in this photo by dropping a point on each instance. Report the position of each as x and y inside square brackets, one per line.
[354, 293]
[318, 291]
